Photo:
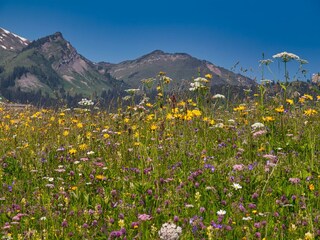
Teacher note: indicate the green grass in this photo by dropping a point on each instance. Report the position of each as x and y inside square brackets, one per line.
[76, 174]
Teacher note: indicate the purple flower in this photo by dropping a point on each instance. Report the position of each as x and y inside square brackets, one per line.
[64, 224]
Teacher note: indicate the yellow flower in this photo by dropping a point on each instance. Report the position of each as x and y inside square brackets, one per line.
[318, 97]
[290, 101]
[169, 116]
[88, 135]
[196, 112]
[279, 109]
[307, 96]
[126, 120]
[302, 100]
[209, 76]
[310, 112]
[181, 104]
[106, 135]
[153, 127]
[240, 108]
[150, 117]
[65, 133]
[72, 151]
[83, 146]
[311, 187]
[149, 105]
[61, 121]
[121, 223]
[73, 188]
[308, 236]
[100, 177]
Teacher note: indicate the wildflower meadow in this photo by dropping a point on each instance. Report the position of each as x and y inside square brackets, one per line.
[200, 167]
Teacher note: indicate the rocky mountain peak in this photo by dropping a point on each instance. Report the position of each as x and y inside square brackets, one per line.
[12, 42]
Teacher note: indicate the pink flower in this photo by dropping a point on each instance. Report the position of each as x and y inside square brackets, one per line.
[259, 133]
[294, 180]
[238, 167]
[144, 217]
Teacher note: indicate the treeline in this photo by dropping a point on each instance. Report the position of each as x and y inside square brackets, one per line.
[49, 78]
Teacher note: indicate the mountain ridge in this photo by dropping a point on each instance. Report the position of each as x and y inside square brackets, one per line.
[51, 64]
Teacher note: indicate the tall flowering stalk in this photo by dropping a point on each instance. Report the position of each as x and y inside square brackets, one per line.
[200, 85]
[263, 62]
[286, 57]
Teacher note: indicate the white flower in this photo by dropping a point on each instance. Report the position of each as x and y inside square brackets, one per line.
[285, 56]
[90, 152]
[265, 62]
[132, 90]
[257, 125]
[43, 218]
[221, 212]
[169, 231]
[50, 179]
[246, 218]
[198, 83]
[189, 206]
[236, 186]
[302, 61]
[86, 102]
[218, 96]
[200, 79]
[126, 98]
[265, 81]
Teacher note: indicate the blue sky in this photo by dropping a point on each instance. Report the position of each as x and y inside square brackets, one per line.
[220, 31]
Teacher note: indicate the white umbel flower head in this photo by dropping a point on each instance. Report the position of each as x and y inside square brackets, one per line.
[170, 231]
[132, 90]
[218, 96]
[86, 102]
[257, 125]
[285, 56]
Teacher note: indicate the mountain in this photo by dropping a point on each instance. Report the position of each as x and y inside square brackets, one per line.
[51, 64]
[52, 67]
[181, 67]
[10, 44]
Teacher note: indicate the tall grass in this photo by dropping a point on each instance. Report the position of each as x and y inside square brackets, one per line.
[222, 171]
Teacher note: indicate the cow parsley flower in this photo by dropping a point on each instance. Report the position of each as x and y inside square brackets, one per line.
[86, 102]
[169, 231]
[285, 56]
[132, 90]
[218, 96]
